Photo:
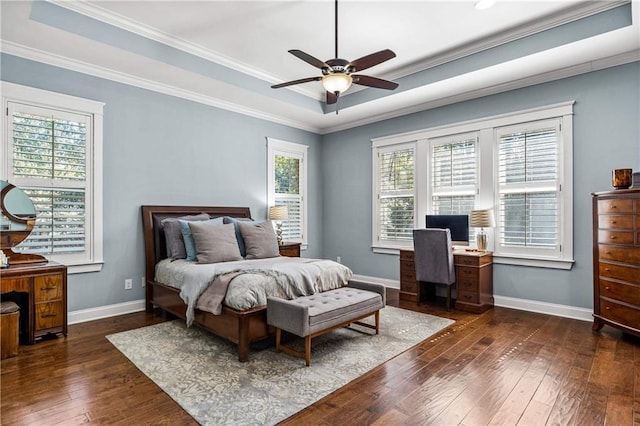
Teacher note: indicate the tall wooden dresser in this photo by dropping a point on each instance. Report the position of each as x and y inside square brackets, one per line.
[616, 260]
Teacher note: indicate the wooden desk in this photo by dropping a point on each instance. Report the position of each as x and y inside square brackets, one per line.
[46, 288]
[474, 279]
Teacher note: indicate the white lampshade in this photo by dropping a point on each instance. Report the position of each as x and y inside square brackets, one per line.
[338, 82]
[481, 219]
[278, 213]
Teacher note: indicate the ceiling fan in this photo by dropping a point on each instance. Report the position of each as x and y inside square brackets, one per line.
[338, 74]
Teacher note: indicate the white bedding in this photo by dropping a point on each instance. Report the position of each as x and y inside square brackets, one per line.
[283, 277]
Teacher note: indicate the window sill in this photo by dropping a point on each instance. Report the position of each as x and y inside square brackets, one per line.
[83, 268]
[533, 262]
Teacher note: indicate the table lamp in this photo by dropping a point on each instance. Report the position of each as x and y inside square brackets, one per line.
[278, 214]
[481, 219]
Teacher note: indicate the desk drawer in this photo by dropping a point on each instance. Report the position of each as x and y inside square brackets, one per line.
[49, 315]
[467, 296]
[467, 273]
[15, 284]
[407, 271]
[466, 284]
[406, 255]
[47, 287]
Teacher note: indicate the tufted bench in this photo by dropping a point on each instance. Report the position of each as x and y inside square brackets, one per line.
[311, 316]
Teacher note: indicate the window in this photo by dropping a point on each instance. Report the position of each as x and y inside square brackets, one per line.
[287, 166]
[50, 146]
[453, 174]
[519, 164]
[528, 188]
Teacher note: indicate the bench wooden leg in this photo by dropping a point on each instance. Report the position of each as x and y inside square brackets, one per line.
[307, 350]
[377, 322]
[278, 337]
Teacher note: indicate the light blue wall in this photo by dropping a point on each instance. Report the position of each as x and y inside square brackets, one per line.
[606, 136]
[164, 150]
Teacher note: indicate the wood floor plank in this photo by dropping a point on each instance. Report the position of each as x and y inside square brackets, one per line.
[503, 366]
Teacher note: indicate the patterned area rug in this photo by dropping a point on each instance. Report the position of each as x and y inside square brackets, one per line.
[202, 373]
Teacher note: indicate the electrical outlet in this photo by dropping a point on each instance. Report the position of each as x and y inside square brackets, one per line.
[128, 284]
[339, 259]
[144, 282]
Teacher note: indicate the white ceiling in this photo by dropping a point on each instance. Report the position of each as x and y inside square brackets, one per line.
[250, 40]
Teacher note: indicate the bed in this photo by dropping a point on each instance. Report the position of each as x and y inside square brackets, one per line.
[242, 325]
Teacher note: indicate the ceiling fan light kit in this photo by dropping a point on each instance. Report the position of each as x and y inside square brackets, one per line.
[337, 74]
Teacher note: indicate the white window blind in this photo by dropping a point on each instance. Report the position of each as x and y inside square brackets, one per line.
[287, 186]
[454, 174]
[528, 186]
[49, 162]
[396, 193]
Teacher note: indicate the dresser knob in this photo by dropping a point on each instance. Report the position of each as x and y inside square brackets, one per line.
[613, 237]
[608, 308]
[607, 288]
[607, 269]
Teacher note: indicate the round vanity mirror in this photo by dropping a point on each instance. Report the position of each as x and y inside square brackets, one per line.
[17, 219]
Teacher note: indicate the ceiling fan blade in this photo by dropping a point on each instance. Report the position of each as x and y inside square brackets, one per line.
[332, 98]
[372, 60]
[365, 80]
[308, 58]
[291, 83]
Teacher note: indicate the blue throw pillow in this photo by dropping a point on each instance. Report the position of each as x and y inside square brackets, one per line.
[243, 249]
[189, 243]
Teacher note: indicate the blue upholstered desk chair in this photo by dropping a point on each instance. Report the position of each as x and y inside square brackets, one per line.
[433, 255]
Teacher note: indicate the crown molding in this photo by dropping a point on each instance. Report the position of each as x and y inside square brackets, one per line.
[59, 61]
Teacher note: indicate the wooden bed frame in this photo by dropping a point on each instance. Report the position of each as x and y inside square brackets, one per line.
[240, 327]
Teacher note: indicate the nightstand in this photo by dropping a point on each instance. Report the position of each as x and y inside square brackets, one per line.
[290, 249]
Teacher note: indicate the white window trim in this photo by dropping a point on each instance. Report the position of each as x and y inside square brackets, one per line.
[277, 146]
[487, 194]
[385, 246]
[42, 98]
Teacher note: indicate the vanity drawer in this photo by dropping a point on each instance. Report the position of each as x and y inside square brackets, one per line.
[615, 237]
[615, 206]
[48, 287]
[49, 315]
[619, 254]
[15, 284]
[615, 221]
[624, 273]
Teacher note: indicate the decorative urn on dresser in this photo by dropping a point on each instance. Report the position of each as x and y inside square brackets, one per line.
[616, 260]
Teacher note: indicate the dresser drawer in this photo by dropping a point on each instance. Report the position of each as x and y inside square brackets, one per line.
[620, 313]
[610, 221]
[467, 273]
[407, 271]
[467, 296]
[615, 237]
[619, 254]
[615, 206]
[624, 273]
[49, 315]
[47, 287]
[620, 291]
[406, 255]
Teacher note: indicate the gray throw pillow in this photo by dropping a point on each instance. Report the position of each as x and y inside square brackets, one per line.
[173, 235]
[215, 243]
[259, 239]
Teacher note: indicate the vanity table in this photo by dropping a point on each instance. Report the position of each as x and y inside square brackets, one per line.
[38, 286]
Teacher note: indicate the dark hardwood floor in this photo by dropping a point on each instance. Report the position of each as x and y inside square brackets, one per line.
[503, 367]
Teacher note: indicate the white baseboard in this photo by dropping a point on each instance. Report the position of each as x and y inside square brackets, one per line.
[384, 281]
[84, 315]
[566, 311]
